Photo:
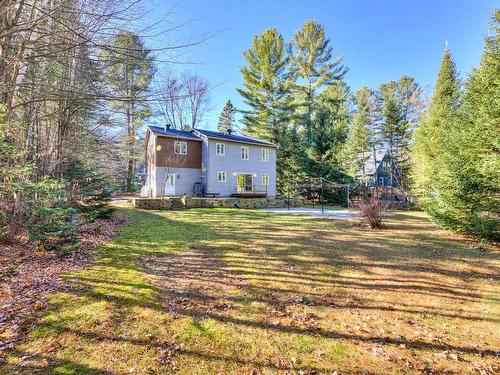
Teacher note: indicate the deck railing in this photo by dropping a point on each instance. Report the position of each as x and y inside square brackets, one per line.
[254, 190]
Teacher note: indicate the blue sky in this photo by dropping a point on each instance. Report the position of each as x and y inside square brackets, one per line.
[380, 40]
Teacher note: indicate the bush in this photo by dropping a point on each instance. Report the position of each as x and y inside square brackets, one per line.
[371, 211]
[52, 228]
[87, 190]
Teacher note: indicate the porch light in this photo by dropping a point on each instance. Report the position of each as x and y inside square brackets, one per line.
[255, 174]
[234, 174]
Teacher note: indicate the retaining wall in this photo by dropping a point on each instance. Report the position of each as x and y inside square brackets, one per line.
[170, 203]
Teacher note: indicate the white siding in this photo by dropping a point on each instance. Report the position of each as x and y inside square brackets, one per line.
[185, 178]
[232, 164]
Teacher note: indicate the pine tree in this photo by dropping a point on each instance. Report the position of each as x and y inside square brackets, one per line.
[128, 77]
[313, 67]
[289, 163]
[266, 86]
[360, 137]
[435, 126]
[467, 195]
[329, 131]
[398, 109]
[226, 117]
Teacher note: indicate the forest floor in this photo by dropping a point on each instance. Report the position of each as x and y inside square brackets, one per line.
[227, 291]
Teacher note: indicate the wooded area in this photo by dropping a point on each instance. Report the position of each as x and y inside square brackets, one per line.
[446, 153]
[76, 86]
[78, 83]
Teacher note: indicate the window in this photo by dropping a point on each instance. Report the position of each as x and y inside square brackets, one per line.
[265, 154]
[180, 148]
[221, 176]
[220, 149]
[265, 179]
[244, 153]
[381, 181]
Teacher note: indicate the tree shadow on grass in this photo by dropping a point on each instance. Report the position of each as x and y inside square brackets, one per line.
[215, 263]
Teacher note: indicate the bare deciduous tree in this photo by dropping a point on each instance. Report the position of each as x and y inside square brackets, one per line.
[182, 100]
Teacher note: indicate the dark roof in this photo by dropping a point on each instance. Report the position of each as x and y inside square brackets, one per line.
[173, 133]
[367, 159]
[234, 137]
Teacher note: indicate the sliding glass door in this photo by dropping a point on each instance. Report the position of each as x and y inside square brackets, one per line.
[245, 182]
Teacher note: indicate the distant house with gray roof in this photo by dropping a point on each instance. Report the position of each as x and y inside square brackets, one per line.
[374, 168]
[204, 162]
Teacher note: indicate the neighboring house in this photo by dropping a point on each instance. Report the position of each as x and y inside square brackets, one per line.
[209, 163]
[374, 169]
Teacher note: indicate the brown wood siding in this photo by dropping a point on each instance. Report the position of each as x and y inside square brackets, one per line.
[167, 158]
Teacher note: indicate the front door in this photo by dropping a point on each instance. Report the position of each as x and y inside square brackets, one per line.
[170, 184]
[245, 182]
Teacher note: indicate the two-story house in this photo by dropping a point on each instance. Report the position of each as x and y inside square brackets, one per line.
[203, 162]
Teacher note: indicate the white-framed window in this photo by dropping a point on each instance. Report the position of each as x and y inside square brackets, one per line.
[221, 176]
[265, 179]
[220, 149]
[180, 148]
[265, 154]
[244, 153]
[381, 181]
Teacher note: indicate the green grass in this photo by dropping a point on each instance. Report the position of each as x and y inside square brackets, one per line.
[208, 291]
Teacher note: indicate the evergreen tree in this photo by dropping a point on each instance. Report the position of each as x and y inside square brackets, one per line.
[359, 138]
[410, 103]
[226, 117]
[289, 163]
[398, 109]
[329, 131]
[266, 91]
[466, 197]
[266, 86]
[128, 78]
[435, 125]
[313, 67]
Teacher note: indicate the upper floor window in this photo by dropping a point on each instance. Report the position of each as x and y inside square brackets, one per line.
[180, 148]
[221, 176]
[265, 154]
[265, 179]
[244, 153]
[220, 149]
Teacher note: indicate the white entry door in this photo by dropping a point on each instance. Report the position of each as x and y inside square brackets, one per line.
[170, 184]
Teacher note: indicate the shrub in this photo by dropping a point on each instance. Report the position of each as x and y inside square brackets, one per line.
[51, 223]
[87, 190]
[52, 228]
[371, 211]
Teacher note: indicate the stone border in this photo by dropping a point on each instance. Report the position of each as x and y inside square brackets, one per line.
[173, 203]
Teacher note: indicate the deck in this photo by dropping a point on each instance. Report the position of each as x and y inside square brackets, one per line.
[249, 194]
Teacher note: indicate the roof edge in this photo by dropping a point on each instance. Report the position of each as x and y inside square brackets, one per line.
[175, 136]
[259, 142]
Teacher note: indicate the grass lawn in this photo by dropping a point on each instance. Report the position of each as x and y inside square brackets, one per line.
[207, 291]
